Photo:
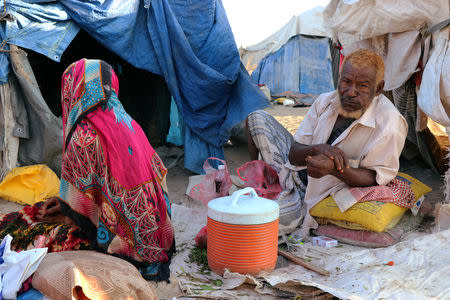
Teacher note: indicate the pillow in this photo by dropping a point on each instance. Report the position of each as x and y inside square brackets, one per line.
[89, 275]
[356, 226]
[371, 239]
[372, 215]
[362, 238]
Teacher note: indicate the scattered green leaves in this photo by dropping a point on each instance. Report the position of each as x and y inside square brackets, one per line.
[199, 256]
[217, 282]
[206, 287]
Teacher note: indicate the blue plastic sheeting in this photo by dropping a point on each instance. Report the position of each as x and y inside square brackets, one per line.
[4, 57]
[31, 294]
[302, 65]
[176, 130]
[190, 43]
[42, 26]
[196, 150]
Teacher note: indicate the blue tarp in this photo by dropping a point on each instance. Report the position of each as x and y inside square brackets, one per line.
[302, 65]
[42, 26]
[190, 43]
[176, 130]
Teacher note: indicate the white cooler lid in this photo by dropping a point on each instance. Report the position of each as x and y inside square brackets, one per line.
[243, 209]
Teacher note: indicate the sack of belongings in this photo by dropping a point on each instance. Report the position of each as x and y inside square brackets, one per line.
[29, 185]
[372, 215]
[371, 223]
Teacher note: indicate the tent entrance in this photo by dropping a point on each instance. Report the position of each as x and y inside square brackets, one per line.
[144, 95]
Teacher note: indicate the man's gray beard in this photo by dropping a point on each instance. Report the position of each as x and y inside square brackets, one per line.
[348, 114]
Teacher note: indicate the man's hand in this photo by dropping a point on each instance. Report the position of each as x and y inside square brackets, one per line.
[333, 153]
[319, 165]
[299, 152]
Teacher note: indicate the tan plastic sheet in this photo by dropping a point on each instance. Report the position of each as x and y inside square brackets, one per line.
[421, 269]
[370, 18]
[401, 54]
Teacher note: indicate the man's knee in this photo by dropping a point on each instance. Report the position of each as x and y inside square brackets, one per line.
[257, 112]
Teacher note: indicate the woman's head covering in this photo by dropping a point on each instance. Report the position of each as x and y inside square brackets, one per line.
[85, 84]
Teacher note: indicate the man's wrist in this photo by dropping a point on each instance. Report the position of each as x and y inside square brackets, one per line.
[315, 150]
[337, 174]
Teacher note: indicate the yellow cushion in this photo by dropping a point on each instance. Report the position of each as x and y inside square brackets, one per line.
[30, 184]
[372, 215]
[356, 226]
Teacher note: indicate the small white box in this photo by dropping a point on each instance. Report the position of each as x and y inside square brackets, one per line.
[323, 241]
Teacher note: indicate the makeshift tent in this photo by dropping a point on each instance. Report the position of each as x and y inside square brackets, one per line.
[416, 75]
[413, 38]
[190, 44]
[295, 59]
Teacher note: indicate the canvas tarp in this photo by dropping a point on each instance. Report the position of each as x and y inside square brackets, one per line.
[397, 30]
[370, 18]
[40, 25]
[301, 66]
[190, 44]
[308, 23]
[35, 131]
[420, 270]
[401, 54]
[433, 97]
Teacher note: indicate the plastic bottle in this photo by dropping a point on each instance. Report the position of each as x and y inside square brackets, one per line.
[220, 177]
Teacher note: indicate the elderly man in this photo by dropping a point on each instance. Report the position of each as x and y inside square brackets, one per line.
[352, 137]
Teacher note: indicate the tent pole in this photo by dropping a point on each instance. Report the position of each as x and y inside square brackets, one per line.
[10, 142]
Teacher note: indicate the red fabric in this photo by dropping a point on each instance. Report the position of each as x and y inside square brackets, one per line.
[26, 285]
[396, 191]
[418, 75]
[341, 58]
[201, 239]
[28, 233]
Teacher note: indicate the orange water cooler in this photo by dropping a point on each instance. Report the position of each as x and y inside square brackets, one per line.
[242, 233]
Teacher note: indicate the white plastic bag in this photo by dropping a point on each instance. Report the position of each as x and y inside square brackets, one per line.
[433, 97]
[16, 267]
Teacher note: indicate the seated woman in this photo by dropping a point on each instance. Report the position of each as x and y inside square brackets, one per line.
[113, 195]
